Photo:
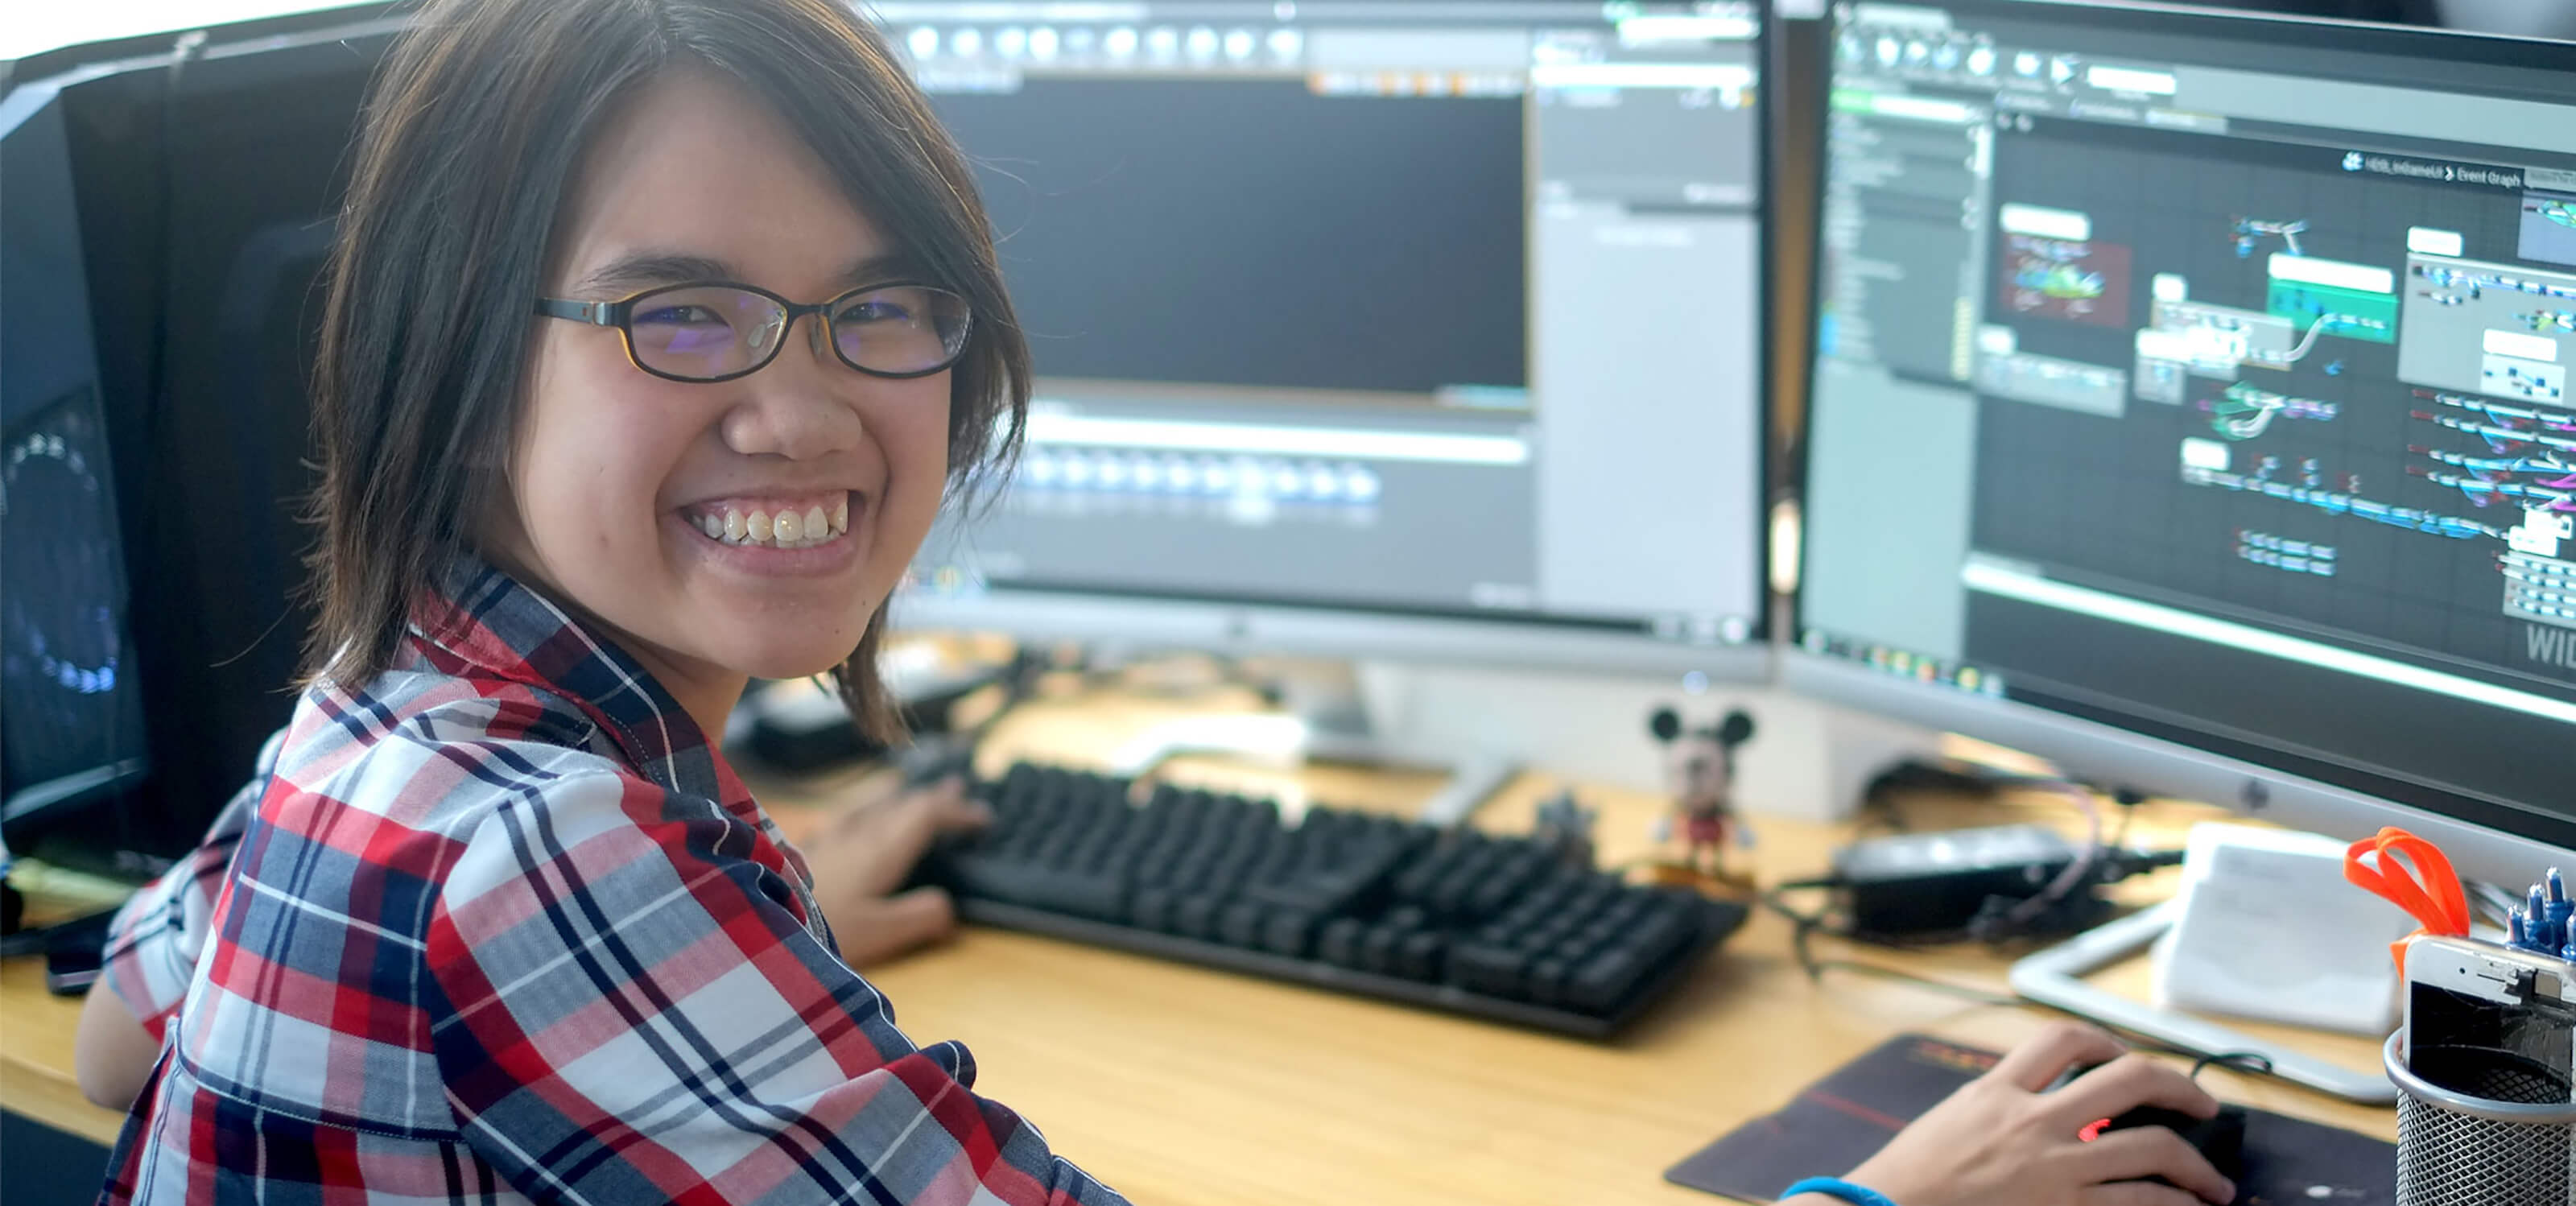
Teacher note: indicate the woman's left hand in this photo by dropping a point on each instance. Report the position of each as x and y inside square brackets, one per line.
[862, 855]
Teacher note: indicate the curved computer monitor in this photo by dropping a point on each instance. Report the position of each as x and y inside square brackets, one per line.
[1428, 331]
[2189, 406]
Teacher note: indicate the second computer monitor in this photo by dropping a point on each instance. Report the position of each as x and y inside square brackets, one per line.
[1413, 329]
[2190, 405]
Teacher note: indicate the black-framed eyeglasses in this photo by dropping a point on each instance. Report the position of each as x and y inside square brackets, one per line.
[720, 330]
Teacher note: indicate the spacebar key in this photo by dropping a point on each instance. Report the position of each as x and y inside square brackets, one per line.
[1054, 889]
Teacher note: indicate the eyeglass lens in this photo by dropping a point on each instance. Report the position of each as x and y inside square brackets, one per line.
[709, 331]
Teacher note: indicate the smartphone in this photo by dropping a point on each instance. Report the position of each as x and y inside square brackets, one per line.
[2497, 1023]
[2491, 1020]
[74, 953]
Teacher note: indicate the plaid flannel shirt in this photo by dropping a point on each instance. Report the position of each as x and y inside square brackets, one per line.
[504, 926]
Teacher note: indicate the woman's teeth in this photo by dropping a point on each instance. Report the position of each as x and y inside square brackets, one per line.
[786, 528]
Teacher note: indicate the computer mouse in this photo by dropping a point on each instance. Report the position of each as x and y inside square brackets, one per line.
[2219, 1139]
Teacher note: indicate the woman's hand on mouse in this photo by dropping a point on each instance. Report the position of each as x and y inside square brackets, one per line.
[2005, 1140]
[861, 856]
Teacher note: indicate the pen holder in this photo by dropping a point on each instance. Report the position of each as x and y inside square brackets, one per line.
[2479, 1127]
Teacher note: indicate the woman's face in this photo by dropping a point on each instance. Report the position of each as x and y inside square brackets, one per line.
[617, 477]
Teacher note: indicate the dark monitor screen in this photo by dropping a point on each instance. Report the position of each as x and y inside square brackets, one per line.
[1431, 309]
[71, 718]
[2205, 377]
[197, 200]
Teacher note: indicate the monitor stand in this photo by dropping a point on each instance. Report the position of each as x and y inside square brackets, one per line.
[1350, 719]
[1483, 724]
[1326, 717]
[2055, 977]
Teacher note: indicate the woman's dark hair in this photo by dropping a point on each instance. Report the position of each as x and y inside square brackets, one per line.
[467, 147]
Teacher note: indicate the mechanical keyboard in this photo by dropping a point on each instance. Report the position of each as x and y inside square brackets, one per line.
[1495, 927]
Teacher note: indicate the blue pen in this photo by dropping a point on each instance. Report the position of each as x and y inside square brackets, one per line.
[2533, 921]
[2559, 909]
[2568, 952]
[2516, 933]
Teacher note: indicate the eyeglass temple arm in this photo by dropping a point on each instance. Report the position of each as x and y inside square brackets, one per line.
[598, 314]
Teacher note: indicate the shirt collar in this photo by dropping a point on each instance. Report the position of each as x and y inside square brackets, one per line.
[479, 622]
[502, 628]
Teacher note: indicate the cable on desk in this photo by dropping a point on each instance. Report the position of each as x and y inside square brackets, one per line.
[1806, 925]
[2018, 919]
[2250, 1063]
[933, 757]
[1961, 777]
[2128, 798]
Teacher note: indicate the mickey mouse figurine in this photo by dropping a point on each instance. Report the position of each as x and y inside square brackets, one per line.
[1699, 766]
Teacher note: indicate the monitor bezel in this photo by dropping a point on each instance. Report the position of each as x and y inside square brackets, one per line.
[2126, 748]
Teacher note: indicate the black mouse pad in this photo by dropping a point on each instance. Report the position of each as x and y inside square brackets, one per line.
[1846, 1117]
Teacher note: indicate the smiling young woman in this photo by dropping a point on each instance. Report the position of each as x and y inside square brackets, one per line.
[494, 920]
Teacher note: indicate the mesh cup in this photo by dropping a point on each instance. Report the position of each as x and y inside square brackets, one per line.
[2480, 1127]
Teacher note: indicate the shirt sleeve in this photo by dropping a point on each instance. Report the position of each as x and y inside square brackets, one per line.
[634, 1012]
[154, 940]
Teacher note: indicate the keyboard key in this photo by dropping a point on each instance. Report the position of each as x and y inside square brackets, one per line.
[1596, 985]
[1377, 949]
[1286, 932]
[1547, 980]
[1194, 915]
[1150, 908]
[1339, 944]
[1489, 968]
[1418, 956]
[1239, 923]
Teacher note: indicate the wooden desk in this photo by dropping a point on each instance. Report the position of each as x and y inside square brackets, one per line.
[36, 1027]
[1177, 1084]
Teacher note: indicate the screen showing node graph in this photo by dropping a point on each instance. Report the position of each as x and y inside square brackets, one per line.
[2173, 375]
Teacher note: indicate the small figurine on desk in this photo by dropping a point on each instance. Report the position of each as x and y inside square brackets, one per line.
[1699, 766]
[1565, 827]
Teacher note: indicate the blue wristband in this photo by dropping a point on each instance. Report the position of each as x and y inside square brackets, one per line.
[1836, 1187]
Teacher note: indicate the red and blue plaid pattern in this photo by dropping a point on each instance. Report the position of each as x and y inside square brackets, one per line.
[153, 944]
[504, 926]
